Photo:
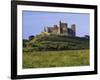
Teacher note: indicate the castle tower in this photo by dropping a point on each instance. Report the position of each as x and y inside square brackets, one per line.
[59, 28]
[73, 27]
[64, 29]
[47, 29]
[44, 29]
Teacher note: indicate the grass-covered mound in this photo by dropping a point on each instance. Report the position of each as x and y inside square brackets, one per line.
[55, 42]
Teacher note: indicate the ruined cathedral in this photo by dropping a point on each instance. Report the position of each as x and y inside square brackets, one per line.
[61, 29]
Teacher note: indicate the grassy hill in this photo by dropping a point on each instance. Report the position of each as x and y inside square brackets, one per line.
[55, 42]
[55, 51]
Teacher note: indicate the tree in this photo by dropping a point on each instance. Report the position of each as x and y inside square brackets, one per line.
[31, 37]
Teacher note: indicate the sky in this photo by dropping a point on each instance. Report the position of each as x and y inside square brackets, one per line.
[33, 22]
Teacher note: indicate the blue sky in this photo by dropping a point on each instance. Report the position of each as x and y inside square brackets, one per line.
[34, 22]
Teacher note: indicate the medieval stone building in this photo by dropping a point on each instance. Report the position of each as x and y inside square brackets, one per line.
[61, 29]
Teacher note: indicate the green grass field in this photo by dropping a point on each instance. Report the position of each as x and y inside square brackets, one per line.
[41, 59]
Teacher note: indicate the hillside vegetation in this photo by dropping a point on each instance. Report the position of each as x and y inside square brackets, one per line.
[55, 42]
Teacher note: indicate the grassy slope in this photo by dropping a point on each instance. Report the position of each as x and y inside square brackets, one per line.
[54, 43]
[55, 58]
